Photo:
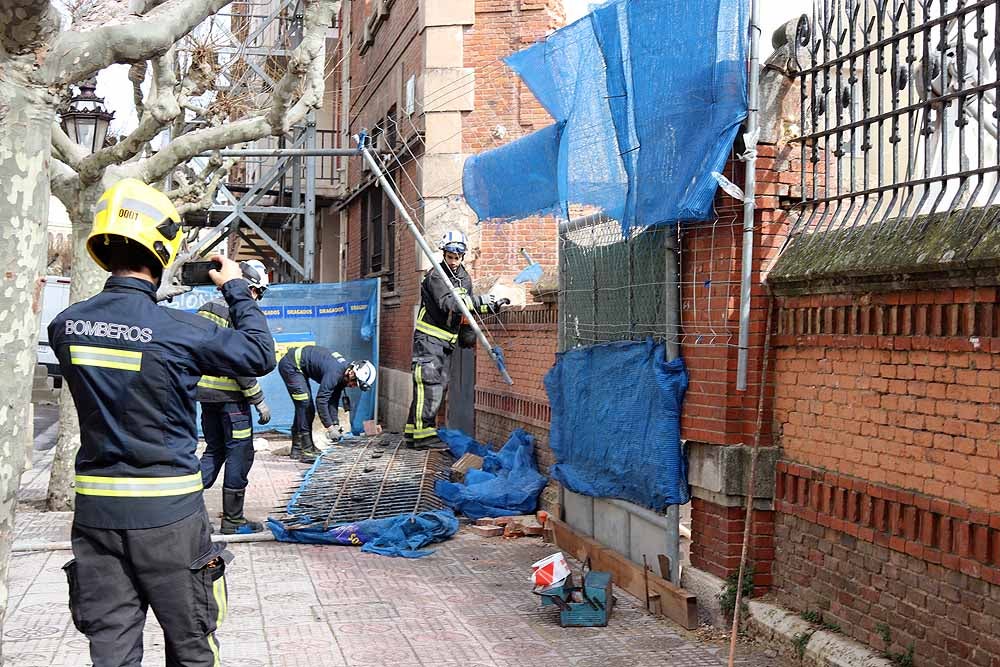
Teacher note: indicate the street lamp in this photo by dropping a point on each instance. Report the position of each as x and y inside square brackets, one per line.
[86, 120]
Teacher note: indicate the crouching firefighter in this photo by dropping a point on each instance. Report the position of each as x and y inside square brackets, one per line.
[439, 327]
[141, 536]
[333, 373]
[226, 421]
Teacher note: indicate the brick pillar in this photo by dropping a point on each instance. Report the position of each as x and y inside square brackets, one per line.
[718, 422]
[717, 545]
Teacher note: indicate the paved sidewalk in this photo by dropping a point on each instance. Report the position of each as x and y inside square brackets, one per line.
[468, 604]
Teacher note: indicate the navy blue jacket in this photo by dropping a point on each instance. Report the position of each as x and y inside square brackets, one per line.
[326, 368]
[133, 369]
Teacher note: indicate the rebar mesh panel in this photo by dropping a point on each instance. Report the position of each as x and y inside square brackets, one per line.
[373, 477]
[613, 284]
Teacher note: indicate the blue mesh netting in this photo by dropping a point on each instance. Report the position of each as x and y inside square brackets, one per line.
[648, 96]
[340, 316]
[601, 431]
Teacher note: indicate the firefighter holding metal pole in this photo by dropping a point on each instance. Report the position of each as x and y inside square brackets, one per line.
[141, 536]
[440, 326]
[226, 421]
[333, 374]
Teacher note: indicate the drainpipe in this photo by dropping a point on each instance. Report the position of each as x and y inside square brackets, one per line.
[749, 185]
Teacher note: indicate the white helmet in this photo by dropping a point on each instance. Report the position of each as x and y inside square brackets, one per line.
[365, 373]
[256, 274]
[454, 241]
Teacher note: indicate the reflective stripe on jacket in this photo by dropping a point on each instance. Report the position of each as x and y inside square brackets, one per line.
[218, 389]
[133, 368]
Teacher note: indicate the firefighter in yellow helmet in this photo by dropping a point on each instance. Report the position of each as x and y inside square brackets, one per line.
[141, 535]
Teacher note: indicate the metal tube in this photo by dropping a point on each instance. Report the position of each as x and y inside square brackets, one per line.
[287, 152]
[309, 249]
[394, 198]
[672, 325]
[749, 186]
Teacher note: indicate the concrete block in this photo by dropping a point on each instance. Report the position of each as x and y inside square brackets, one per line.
[646, 538]
[443, 132]
[446, 12]
[447, 89]
[579, 512]
[444, 47]
[780, 629]
[441, 174]
[726, 470]
[611, 525]
[706, 587]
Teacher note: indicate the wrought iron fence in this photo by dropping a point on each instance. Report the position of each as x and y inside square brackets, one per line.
[899, 117]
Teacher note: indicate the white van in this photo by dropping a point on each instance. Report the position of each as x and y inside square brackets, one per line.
[55, 299]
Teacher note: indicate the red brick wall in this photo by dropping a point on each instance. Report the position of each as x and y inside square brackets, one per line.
[718, 541]
[899, 389]
[501, 28]
[711, 257]
[529, 339]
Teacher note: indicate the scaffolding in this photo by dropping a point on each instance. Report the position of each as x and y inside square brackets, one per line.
[267, 206]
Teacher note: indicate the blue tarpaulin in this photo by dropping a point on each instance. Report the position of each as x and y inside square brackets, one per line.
[508, 483]
[616, 443]
[402, 535]
[340, 316]
[647, 95]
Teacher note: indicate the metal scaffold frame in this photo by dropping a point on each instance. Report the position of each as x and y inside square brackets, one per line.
[273, 191]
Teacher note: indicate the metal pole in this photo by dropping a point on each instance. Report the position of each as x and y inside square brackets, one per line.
[749, 185]
[287, 152]
[672, 324]
[391, 194]
[378, 339]
[309, 251]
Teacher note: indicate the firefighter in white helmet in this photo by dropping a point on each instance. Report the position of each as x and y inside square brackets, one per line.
[226, 421]
[333, 373]
[439, 328]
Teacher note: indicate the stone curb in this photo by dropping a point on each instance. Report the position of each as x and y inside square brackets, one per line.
[780, 627]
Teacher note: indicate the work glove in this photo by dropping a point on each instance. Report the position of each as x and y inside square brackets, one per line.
[496, 305]
[263, 413]
[170, 284]
[345, 402]
[333, 433]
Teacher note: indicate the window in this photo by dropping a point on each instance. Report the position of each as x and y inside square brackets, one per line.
[378, 237]
[378, 215]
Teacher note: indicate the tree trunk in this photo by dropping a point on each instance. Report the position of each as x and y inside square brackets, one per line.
[88, 279]
[26, 115]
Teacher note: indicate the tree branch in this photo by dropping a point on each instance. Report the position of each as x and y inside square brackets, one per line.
[194, 143]
[76, 55]
[305, 70]
[160, 111]
[27, 26]
[208, 196]
[70, 152]
[136, 75]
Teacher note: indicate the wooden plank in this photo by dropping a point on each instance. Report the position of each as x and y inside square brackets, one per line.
[671, 601]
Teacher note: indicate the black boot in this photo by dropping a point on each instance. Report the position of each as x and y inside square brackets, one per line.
[309, 452]
[296, 447]
[233, 521]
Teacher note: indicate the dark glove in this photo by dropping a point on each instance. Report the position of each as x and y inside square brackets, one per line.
[466, 337]
[345, 402]
[501, 303]
[263, 413]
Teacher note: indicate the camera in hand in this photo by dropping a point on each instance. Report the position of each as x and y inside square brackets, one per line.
[196, 273]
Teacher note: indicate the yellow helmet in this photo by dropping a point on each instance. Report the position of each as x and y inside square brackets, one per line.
[132, 210]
